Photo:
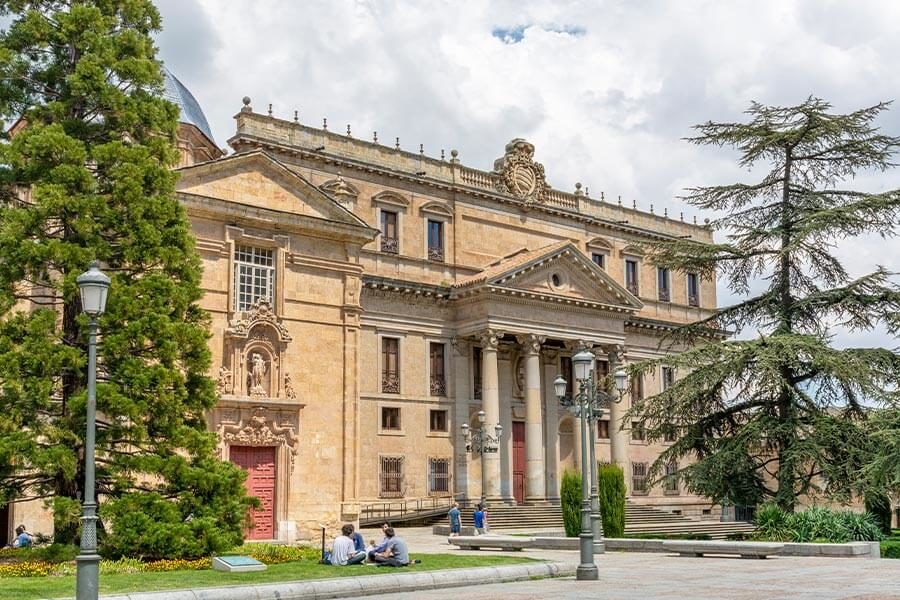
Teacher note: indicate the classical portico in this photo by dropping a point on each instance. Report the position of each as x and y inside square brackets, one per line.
[528, 313]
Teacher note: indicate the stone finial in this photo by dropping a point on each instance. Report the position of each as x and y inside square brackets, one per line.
[666, 212]
[270, 109]
[375, 137]
[681, 217]
[442, 154]
[587, 192]
[421, 148]
[578, 191]
[633, 203]
[695, 219]
[706, 222]
[454, 156]
[296, 116]
[325, 123]
[651, 209]
[348, 129]
[397, 143]
[602, 196]
[246, 107]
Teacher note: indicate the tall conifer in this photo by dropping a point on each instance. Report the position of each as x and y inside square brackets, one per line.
[782, 414]
[86, 174]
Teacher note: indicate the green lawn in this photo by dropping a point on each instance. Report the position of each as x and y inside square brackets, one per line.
[35, 588]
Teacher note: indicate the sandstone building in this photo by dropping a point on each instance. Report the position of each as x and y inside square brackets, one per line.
[367, 301]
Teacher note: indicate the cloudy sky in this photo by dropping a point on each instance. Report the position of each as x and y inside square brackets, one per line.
[605, 90]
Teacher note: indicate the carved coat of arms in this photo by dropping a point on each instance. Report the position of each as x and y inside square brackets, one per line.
[519, 175]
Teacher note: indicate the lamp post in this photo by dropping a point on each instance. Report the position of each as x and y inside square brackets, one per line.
[480, 443]
[93, 286]
[587, 406]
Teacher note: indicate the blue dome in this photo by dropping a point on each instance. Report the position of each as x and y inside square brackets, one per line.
[191, 113]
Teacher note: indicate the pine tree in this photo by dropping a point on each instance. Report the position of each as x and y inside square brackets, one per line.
[87, 175]
[782, 414]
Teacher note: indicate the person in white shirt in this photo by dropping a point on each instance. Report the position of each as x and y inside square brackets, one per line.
[342, 550]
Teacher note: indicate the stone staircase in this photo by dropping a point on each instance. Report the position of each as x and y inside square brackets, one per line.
[639, 519]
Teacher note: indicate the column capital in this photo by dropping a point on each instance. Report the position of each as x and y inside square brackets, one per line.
[490, 339]
[578, 345]
[531, 343]
[616, 354]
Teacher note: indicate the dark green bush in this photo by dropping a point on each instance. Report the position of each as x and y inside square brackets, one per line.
[880, 506]
[890, 549]
[570, 498]
[612, 500]
[816, 524]
[54, 553]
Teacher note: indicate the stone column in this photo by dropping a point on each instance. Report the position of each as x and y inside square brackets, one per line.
[535, 481]
[551, 427]
[618, 440]
[462, 390]
[490, 404]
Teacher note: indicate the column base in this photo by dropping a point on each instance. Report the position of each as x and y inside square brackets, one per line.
[537, 501]
[587, 573]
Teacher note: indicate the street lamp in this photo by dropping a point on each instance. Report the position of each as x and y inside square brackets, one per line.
[93, 286]
[587, 404]
[480, 443]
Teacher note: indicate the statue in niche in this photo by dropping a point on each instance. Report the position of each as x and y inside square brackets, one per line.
[257, 375]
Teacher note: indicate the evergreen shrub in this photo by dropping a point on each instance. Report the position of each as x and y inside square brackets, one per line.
[612, 500]
[880, 506]
[570, 497]
[816, 524]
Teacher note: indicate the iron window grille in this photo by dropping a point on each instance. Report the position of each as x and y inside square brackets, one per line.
[390, 475]
[671, 487]
[438, 476]
[389, 240]
[438, 383]
[390, 366]
[662, 279]
[435, 241]
[631, 277]
[693, 286]
[639, 485]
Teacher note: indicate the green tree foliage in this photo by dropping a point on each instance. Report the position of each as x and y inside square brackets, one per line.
[879, 505]
[570, 498]
[86, 176]
[612, 500]
[772, 417]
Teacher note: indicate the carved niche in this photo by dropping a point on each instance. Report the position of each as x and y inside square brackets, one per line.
[255, 345]
[519, 175]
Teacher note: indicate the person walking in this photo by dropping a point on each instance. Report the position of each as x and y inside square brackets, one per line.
[478, 520]
[455, 524]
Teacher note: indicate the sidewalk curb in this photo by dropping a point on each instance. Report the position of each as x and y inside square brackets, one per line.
[353, 587]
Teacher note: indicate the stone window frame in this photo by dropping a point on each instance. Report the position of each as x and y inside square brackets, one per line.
[400, 336]
[382, 461]
[280, 246]
[600, 438]
[393, 432]
[395, 203]
[640, 432]
[429, 479]
[444, 343]
[635, 491]
[635, 254]
[437, 432]
[687, 289]
[601, 247]
[670, 484]
[437, 212]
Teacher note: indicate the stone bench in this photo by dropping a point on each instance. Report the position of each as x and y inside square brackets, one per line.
[742, 549]
[501, 542]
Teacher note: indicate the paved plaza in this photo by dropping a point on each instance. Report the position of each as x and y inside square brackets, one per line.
[637, 576]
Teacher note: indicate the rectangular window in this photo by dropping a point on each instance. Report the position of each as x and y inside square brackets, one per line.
[669, 435]
[476, 373]
[662, 284]
[693, 289]
[603, 429]
[637, 388]
[254, 276]
[637, 431]
[668, 377]
[601, 371]
[390, 475]
[437, 421]
[639, 485]
[671, 486]
[565, 365]
[390, 418]
[390, 365]
[599, 259]
[631, 276]
[438, 476]
[435, 240]
[438, 379]
[389, 240]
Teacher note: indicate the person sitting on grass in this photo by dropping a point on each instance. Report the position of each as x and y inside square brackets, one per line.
[381, 545]
[342, 551]
[396, 554]
[359, 544]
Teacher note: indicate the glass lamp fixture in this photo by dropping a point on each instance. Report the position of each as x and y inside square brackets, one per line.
[583, 364]
[93, 285]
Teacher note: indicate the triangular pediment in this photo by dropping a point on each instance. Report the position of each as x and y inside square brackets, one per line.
[557, 271]
[257, 179]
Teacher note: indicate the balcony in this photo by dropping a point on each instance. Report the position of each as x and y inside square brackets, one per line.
[693, 300]
[632, 287]
[664, 296]
[390, 382]
[438, 385]
[391, 245]
[436, 254]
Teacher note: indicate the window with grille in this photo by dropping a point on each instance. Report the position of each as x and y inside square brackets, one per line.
[254, 276]
[390, 475]
[438, 476]
[639, 485]
[631, 276]
[435, 240]
[390, 365]
[668, 377]
[437, 420]
[390, 418]
[662, 284]
[693, 289]
[669, 435]
[389, 240]
[603, 429]
[438, 379]
[599, 259]
[671, 480]
[637, 431]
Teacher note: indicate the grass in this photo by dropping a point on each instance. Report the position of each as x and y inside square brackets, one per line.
[41, 588]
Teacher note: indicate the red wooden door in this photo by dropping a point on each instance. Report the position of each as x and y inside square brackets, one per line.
[518, 431]
[259, 462]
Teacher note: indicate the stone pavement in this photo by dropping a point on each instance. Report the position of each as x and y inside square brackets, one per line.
[637, 576]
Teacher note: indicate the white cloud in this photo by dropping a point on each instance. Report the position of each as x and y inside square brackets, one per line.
[605, 90]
